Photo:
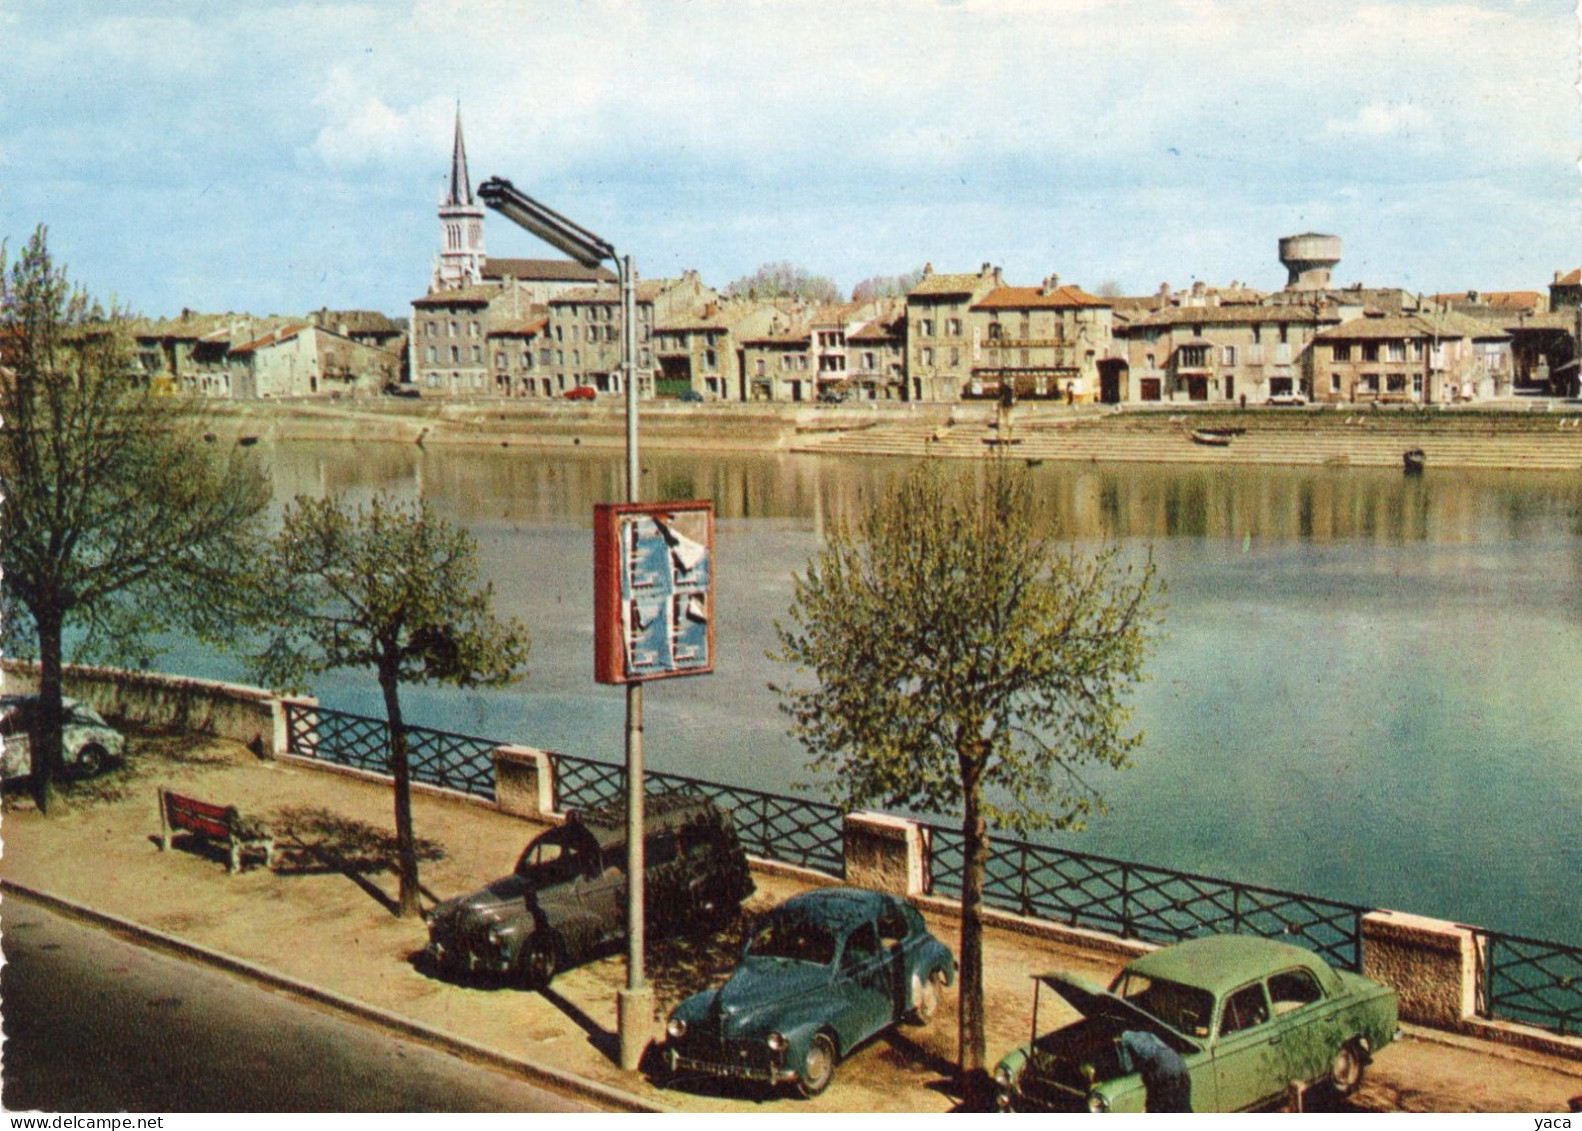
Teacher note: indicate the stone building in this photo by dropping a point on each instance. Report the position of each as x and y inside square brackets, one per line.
[706, 352]
[939, 343]
[1045, 341]
[583, 337]
[1219, 353]
[301, 359]
[1433, 358]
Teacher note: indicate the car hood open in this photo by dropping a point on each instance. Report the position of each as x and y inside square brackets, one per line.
[1093, 1001]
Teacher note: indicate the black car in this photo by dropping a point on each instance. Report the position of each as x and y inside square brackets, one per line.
[567, 896]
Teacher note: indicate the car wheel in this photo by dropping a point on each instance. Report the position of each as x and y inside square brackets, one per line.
[91, 760]
[818, 1066]
[929, 995]
[541, 962]
[1345, 1071]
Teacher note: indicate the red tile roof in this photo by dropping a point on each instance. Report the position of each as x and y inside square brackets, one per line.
[546, 271]
[1023, 298]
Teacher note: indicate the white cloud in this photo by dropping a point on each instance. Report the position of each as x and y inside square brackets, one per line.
[1381, 119]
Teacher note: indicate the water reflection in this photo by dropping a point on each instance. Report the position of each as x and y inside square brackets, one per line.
[1367, 690]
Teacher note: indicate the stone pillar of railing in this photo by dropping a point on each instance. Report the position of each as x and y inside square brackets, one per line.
[885, 853]
[524, 781]
[1432, 965]
[280, 722]
[280, 738]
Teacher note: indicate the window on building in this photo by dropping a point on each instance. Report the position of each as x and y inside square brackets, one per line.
[1395, 383]
[455, 354]
[433, 355]
[1368, 382]
[1341, 351]
[1397, 350]
[455, 328]
[955, 355]
[710, 361]
[499, 360]
[433, 328]
[925, 327]
[473, 330]
[477, 355]
[758, 367]
[1334, 382]
[994, 331]
[1192, 357]
[645, 359]
[869, 361]
[926, 355]
[953, 328]
[1370, 351]
[1228, 355]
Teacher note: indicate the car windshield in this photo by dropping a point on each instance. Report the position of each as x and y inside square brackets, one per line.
[796, 939]
[1186, 1009]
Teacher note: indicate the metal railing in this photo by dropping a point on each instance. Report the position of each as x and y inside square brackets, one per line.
[1143, 902]
[436, 757]
[1524, 980]
[1529, 981]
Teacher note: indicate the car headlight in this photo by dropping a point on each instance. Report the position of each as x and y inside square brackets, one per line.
[1098, 1102]
[496, 936]
[677, 1028]
[776, 1042]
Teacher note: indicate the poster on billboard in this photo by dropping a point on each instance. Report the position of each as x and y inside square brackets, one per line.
[653, 590]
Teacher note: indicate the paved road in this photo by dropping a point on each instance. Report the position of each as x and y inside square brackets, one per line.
[95, 1023]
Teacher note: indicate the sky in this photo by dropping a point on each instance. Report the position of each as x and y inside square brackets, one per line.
[280, 157]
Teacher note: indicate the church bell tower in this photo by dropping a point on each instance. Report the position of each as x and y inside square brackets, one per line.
[460, 260]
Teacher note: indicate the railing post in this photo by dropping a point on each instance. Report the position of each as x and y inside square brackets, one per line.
[1126, 902]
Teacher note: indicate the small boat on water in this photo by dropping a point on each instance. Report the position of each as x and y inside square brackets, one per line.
[1414, 460]
[1211, 437]
[247, 441]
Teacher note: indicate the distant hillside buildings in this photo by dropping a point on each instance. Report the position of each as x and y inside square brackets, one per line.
[536, 328]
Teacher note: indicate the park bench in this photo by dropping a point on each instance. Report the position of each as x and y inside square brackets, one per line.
[215, 822]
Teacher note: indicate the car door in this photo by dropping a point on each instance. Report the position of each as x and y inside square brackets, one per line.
[1309, 1023]
[1248, 1067]
[866, 978]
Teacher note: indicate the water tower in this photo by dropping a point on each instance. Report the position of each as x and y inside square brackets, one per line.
[1309, 257]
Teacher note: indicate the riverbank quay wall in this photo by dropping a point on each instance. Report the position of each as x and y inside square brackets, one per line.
[1518, 435]
[1449, 977]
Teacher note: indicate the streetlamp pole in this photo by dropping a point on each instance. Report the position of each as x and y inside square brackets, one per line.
[635, 1003]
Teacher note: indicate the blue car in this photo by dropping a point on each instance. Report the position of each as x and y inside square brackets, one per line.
[822, 973]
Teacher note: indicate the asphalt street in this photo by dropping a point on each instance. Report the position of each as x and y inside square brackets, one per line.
[94, 1023]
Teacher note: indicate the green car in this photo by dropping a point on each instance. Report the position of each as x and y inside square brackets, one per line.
[1235, 1019]
[821, 973]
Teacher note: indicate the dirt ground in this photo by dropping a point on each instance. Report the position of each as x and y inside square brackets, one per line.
[324, 917]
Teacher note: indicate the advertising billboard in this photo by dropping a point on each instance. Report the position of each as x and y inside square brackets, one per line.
[653, 590]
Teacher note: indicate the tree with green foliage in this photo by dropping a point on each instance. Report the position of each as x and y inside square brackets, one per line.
[119, 523]
[784, 280]
[964, 664]
[391, 587]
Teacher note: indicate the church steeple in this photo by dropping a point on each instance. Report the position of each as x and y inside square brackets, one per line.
[461, 256]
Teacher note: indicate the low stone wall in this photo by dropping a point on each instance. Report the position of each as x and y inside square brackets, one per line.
[249, 715]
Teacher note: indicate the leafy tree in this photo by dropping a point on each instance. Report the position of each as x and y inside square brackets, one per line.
[119, 522]
[784, 280]
[1109, 288]
[886, 286]
[963, 664]
[391, 587]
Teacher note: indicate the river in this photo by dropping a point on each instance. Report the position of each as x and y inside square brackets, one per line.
[1368, 690]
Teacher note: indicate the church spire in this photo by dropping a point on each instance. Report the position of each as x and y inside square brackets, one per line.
[460, 185]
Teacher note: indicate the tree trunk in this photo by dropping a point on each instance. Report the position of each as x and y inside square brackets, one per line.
[974, 853]
[406, 845]
[44, 742]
